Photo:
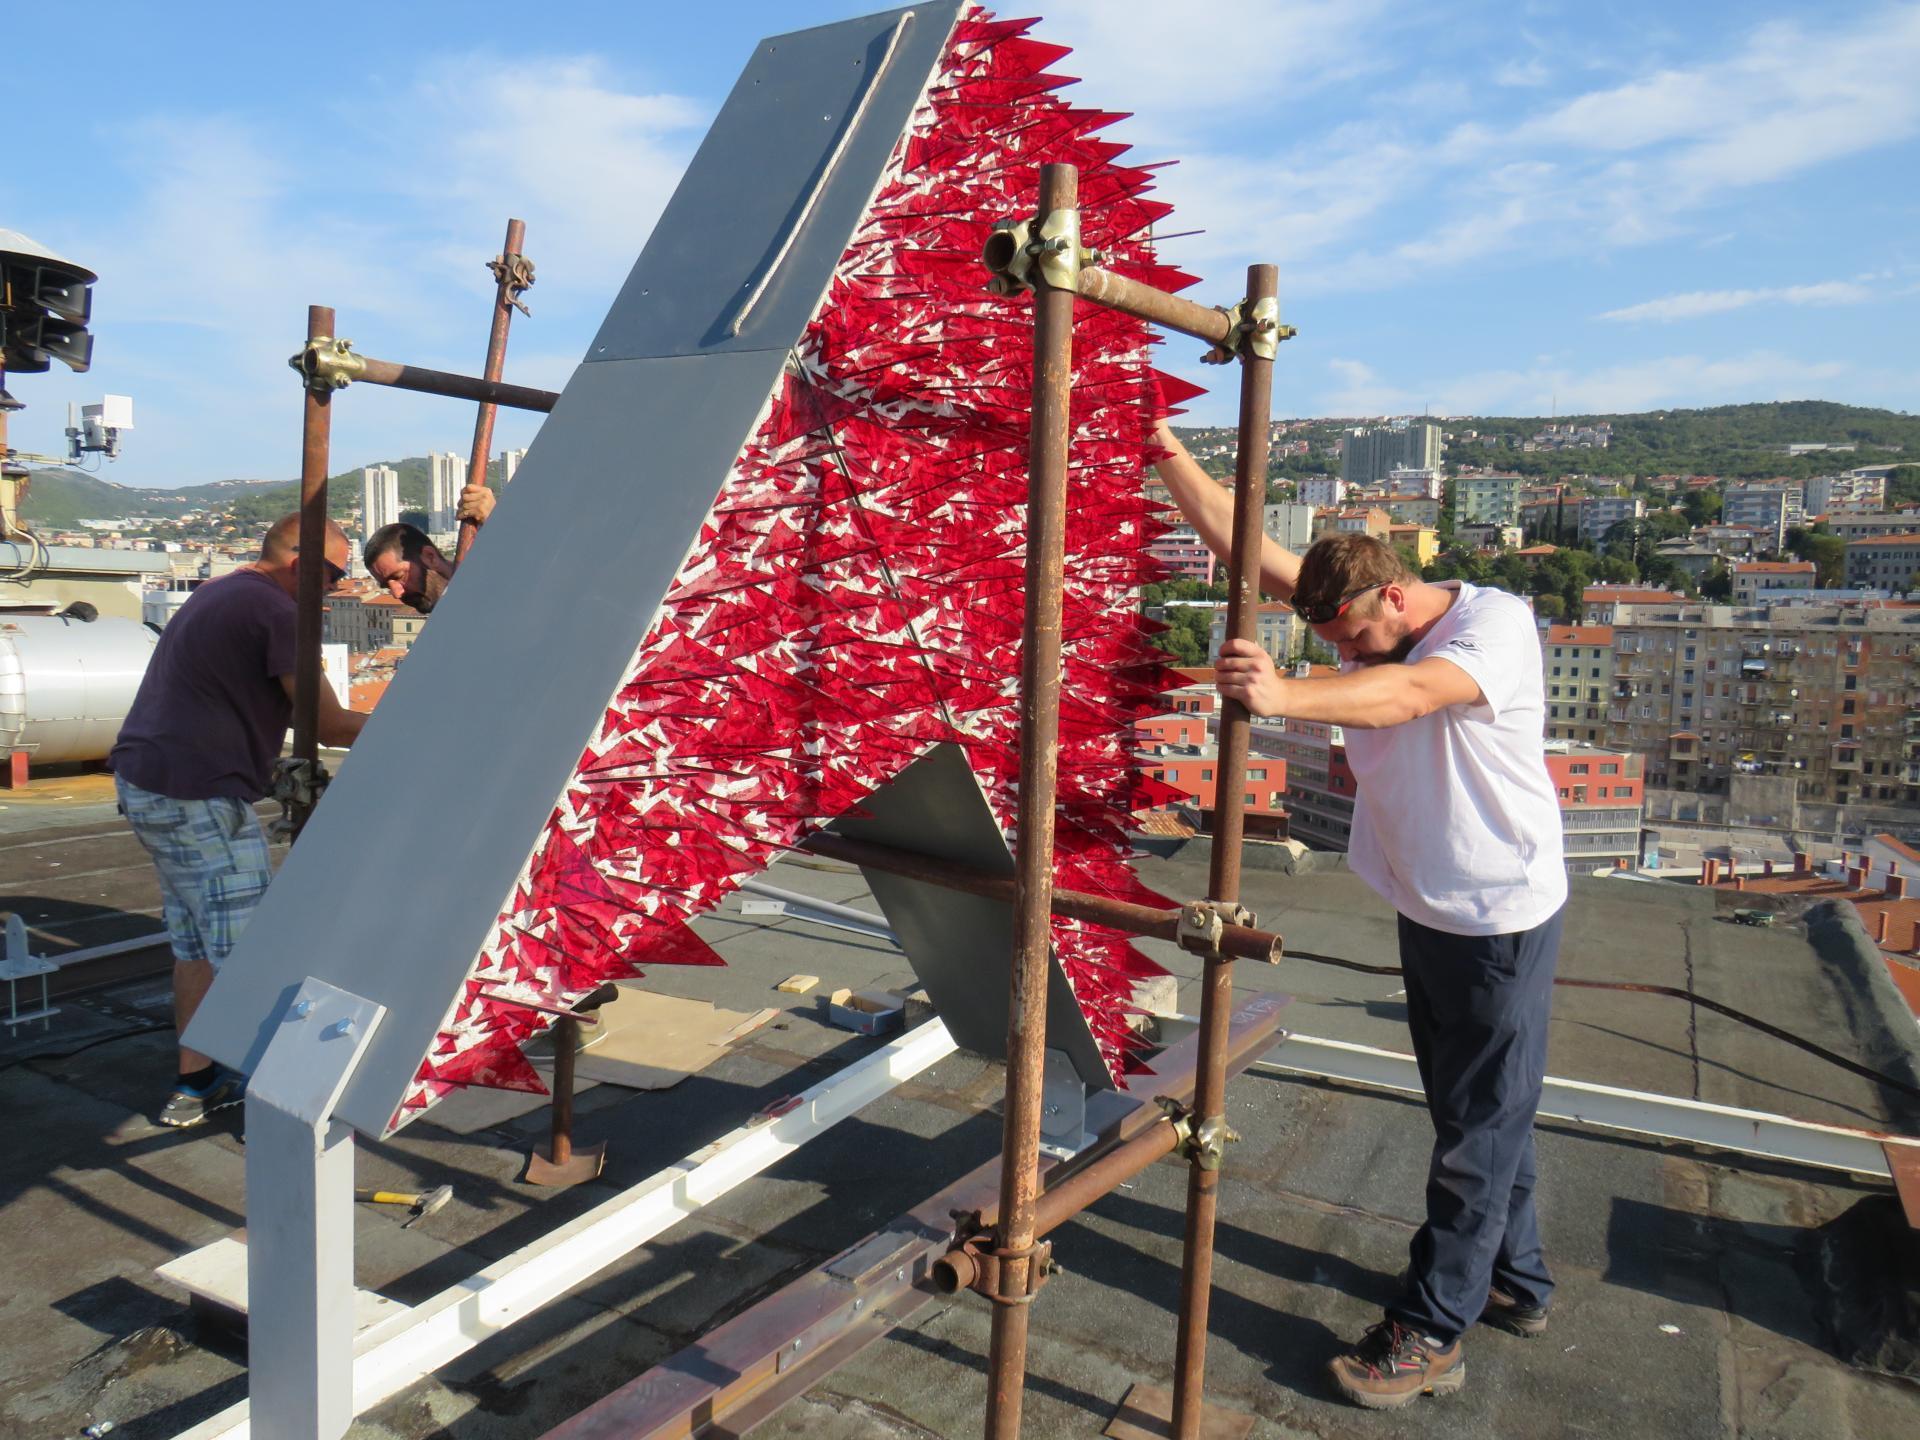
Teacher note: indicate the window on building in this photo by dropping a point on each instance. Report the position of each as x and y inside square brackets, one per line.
[1579, 794]
[1206, 774]
[1256, 774]
[1609, 767]
[1578, 769]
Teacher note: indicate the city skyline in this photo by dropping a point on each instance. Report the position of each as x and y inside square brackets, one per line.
[1475, 211]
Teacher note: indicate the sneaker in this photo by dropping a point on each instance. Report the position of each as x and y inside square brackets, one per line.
[189, 1106]
[1393, 1366]
[1503, 1312]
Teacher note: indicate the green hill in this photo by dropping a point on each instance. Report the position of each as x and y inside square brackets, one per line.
[59, 499]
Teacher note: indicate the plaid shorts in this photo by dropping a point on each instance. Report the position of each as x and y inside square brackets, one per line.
[212, 859]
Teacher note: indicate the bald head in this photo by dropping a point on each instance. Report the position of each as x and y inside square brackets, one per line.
[282, 541]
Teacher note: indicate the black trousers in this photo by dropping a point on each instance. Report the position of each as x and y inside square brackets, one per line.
[1477, 1006]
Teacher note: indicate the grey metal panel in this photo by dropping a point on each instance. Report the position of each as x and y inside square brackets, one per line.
[396, 882]
[961, 946]
[749, 181]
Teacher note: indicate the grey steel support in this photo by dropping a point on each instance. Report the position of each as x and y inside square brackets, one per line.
[300, 1217]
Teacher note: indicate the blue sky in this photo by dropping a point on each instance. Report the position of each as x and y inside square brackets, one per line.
[1477, 207]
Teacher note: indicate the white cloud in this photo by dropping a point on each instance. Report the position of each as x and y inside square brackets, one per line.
[1697, 303]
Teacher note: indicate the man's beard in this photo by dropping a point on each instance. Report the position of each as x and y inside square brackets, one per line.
[1395, 656]
[424, 599]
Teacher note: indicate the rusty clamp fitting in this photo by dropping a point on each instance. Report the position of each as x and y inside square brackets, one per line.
[297, 785]
[1255, 331]
[1203, 923]
[1202, 1141]
[327, 364]
[976, 1263]
[1050, 244]
[515, 273]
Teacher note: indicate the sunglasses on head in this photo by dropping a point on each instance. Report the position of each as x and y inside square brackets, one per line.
[1326, 612]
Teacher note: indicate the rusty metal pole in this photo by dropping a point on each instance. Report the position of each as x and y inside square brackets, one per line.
[1216, 993]
[310, 579]
[1039, 774]
[503, 300]
[566, 1041]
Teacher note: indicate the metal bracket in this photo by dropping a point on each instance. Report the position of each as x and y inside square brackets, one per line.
[1203, 923]
[1202, 1141]
[327, 364]
[1256, 331]
[1050, 244]
[296, 783]
[977, 1263]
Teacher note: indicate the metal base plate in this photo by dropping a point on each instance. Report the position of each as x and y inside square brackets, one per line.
[587, 1163]
[1147, 1414]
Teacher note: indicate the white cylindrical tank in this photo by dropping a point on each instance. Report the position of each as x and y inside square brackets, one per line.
[66, 684]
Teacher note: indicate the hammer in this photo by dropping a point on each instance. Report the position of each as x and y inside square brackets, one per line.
[418, 1206]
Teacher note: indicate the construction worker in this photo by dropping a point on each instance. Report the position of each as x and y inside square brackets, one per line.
[197, 751]
[1457, 826]
[409, 566]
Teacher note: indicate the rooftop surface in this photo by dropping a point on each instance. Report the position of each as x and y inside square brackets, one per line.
[1702, 1295]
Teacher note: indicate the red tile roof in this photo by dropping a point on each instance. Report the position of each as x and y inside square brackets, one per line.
[1908, 539]
[1629, 594]
[1773, 567]
[1580, 634]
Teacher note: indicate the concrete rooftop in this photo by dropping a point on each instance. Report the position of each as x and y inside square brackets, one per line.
[1701, 1295]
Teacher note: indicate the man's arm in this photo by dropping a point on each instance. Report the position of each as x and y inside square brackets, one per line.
[339, 727]
[1370, 698]
[1208, 506]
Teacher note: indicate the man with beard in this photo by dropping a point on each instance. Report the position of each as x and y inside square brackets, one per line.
[1457, 826]
[409, 566]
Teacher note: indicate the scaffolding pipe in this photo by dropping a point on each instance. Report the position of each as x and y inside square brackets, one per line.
[1216, 992]
[503, 299]
[1157, 307]
[457, 387]
[1241, 941]
[1039, 776]
[310, 577]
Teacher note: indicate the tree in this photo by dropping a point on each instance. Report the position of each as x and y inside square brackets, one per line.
[1617, 570]
[1903, 485]
[1549, 607]
[1826, 550]
[1701, 507]
[1718, 584]
[1187, 636]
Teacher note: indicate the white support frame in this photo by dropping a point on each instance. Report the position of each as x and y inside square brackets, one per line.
[408, 1347]
[1637, 1112]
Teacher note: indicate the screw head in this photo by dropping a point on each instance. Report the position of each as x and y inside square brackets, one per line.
[300, 1009]
[339, 1028]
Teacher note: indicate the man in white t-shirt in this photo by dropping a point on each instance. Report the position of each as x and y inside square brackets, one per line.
[1457, 826]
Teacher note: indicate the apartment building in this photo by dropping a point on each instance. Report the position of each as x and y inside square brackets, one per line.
[1601, 601]
[1826, 694]
[1884, 562]
[1277, 630]
[1185, 554]
[1291, 526]
[370, 620]
[1407, 509]
[1576, 662]
[1753, 579]
[1422, 540]
[1860, 490]
[1867, 525]
[1486, 499]
[1600, 513]
[1320, 491]
[1370, 453]
[1355, 520]
[1771, 507]
[1602, 794]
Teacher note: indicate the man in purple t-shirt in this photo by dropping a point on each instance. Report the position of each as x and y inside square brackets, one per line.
[194, 755]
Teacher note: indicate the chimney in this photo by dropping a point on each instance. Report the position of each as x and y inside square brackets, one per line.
[1766, 867]
[1620, 862]
[1739, 881]
[1856, 878]
[1896, 887]
[1880, 927]
[1802, 863]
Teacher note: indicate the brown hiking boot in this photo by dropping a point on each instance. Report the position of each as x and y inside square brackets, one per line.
[1503, 1312]
[1394, 1366]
